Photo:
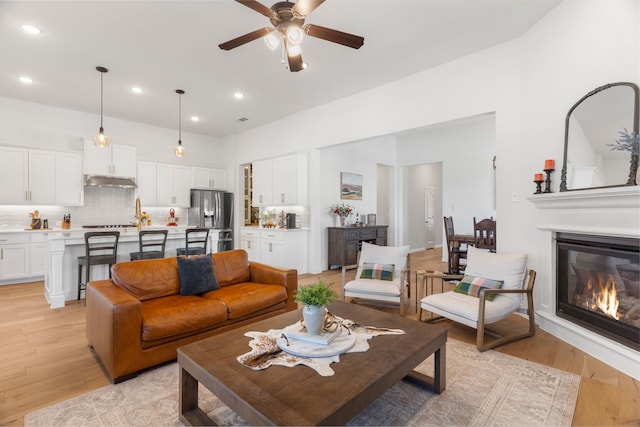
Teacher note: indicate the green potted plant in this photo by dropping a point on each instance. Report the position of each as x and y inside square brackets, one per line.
[315, 298]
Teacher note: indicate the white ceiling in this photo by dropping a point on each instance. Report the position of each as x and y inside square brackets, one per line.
[166, 45]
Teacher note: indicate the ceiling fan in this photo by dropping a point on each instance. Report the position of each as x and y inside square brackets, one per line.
[288, 19]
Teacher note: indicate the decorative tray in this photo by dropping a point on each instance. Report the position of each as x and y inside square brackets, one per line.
[340, 344]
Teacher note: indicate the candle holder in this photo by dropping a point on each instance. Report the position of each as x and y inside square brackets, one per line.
[547, 182]
[538, 186]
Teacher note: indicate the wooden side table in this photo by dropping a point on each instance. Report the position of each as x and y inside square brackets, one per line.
[422, 276]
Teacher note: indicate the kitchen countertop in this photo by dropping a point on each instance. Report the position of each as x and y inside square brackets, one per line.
[256, 227]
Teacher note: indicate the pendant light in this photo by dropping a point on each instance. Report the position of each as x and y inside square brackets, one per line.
[179, 150]
[101, 140]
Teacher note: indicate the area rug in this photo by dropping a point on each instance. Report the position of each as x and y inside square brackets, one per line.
[483, 389]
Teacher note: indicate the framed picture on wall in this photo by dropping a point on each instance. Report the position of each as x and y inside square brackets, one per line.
[350, 186]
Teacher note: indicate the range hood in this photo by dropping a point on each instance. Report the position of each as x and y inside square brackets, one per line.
[108, 182]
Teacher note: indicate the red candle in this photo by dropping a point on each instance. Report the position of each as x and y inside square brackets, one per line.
[549, 164]
[538, 177]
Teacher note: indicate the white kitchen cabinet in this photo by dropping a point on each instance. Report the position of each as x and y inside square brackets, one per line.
[27, 176]
[114, 160]
[37, 254]
[272, 249]
[208, 178]
[262, 178]
[173, 185]
[69, 179]
[14, 256]
[281, 181]
[250, 242]
[147, 183]
[285, 249]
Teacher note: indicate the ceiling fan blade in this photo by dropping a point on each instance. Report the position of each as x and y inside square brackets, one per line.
[239, 41]
[335, 36]
[258, 7]
[305, 7]
[295, 61]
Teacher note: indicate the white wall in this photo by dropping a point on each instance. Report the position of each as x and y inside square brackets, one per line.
[466, 149]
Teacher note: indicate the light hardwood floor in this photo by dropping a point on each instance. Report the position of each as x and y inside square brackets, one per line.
[44, 356]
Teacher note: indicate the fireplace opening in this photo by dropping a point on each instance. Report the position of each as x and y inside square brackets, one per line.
[598, 285]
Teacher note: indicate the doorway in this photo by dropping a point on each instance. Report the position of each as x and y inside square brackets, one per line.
[429, 220]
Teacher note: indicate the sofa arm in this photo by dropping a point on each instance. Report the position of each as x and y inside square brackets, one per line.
[262, 273]
[114, 325]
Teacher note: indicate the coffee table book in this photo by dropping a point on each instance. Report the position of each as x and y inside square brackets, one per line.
[299, 332]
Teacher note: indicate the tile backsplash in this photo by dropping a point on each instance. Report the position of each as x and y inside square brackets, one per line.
[101, 206]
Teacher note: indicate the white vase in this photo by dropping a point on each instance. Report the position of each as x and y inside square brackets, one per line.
[313, 316]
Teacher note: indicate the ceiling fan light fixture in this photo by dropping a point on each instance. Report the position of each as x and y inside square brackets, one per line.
[272, 40]
[294, 50]
[295, 34]
[100, 139]
[179, 149]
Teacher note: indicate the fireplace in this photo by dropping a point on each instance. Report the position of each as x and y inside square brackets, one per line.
[598, 284]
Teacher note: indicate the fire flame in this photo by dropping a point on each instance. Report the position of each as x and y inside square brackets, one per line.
[605, 298]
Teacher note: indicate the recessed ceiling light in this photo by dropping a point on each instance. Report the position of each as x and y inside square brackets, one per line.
[239, 95]
[26, 80]
[136, 89]
[31, 29]
[195, 118]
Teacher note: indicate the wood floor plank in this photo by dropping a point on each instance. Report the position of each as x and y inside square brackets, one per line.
[45, 358]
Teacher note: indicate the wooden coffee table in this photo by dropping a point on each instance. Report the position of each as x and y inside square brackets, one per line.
[281, 395]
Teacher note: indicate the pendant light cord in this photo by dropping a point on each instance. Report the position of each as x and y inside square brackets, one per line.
[180, 119]
[101, 96]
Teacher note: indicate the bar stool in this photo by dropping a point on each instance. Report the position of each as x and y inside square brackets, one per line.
[101, 247]
[149, 239]
[195, 236]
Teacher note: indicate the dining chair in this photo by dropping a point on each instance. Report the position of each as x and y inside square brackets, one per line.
[484, 233]
[151, 246]
[460, 253]
[196, 240]
[101, 247]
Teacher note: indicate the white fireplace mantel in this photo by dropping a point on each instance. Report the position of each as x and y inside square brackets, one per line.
[607, 198]
[611, 211]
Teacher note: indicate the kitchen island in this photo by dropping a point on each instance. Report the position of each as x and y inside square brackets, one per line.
[65, 246]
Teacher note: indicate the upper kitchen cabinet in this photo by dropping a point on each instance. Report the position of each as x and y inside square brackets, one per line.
[173, 185]
[147, 183]
[69, 184]
[280, 181]
[29, 173]
[114, 160]
[262, 178]
[208, 178]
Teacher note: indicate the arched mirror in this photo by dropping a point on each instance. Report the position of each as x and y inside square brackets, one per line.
[592, 157]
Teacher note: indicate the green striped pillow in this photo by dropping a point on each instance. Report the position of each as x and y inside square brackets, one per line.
[472, 285]
[377, 271]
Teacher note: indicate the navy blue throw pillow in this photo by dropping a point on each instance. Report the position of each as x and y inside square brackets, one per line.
[196, 275]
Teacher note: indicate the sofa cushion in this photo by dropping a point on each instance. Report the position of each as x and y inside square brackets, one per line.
[242, 299]
[472, 286]
[377, 271]
[510, 268]
[147, 279]
[231, 267]
[177, 315]
[196, 275]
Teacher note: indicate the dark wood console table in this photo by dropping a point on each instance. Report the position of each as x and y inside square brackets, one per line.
[344, 242]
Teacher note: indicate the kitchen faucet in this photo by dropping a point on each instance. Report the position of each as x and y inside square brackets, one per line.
[138, 214]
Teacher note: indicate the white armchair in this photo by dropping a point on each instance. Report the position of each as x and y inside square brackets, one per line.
[383, 275]
[472, 304]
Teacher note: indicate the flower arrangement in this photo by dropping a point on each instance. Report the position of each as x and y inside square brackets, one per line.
[628, 141]
[342, 210]
[318, 294]
[144, 217]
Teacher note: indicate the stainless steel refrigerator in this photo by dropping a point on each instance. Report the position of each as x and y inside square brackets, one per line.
[213, 209]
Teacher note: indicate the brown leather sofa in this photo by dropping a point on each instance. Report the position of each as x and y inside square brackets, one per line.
[138, 318]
